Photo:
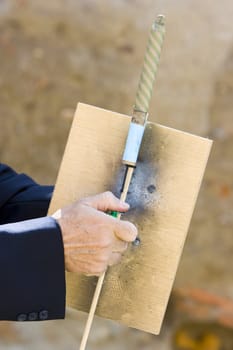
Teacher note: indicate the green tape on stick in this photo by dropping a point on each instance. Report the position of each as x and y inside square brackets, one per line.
[113, 213]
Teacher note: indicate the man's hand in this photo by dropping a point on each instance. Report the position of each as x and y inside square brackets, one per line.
[92, 239]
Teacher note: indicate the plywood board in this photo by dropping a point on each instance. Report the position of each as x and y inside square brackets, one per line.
[162, 196]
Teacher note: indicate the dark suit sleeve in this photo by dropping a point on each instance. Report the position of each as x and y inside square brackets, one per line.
[21, 198]
[31, 252]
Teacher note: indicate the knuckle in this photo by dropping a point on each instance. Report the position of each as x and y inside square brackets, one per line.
[105, 241]
[118, 258]
[120, 246]
[115, 259]
[103, 259]
[124, 247]
[100, 268]
[108, 195]
[87, 271]
[84, 268]
[92, 270]
[106, 198]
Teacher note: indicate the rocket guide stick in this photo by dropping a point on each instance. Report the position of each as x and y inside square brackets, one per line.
[135, 135]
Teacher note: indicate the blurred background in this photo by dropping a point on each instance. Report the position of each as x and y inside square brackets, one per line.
[54, 54]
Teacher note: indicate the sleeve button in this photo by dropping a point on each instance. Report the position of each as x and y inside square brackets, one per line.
[43, 315]
[22, 317]
[32, 316]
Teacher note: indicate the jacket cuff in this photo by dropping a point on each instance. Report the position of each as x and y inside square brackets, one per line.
[32, 271]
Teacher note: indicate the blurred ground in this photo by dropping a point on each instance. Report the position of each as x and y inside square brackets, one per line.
[56, 53]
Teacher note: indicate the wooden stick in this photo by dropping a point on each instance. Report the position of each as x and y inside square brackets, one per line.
[128, 178]
[142, 103]
[100, 282]
[92, 312]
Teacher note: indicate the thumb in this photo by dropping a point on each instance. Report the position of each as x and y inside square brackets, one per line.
[106, 201]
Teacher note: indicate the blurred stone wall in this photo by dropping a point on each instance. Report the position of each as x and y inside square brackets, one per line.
[54, 54]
